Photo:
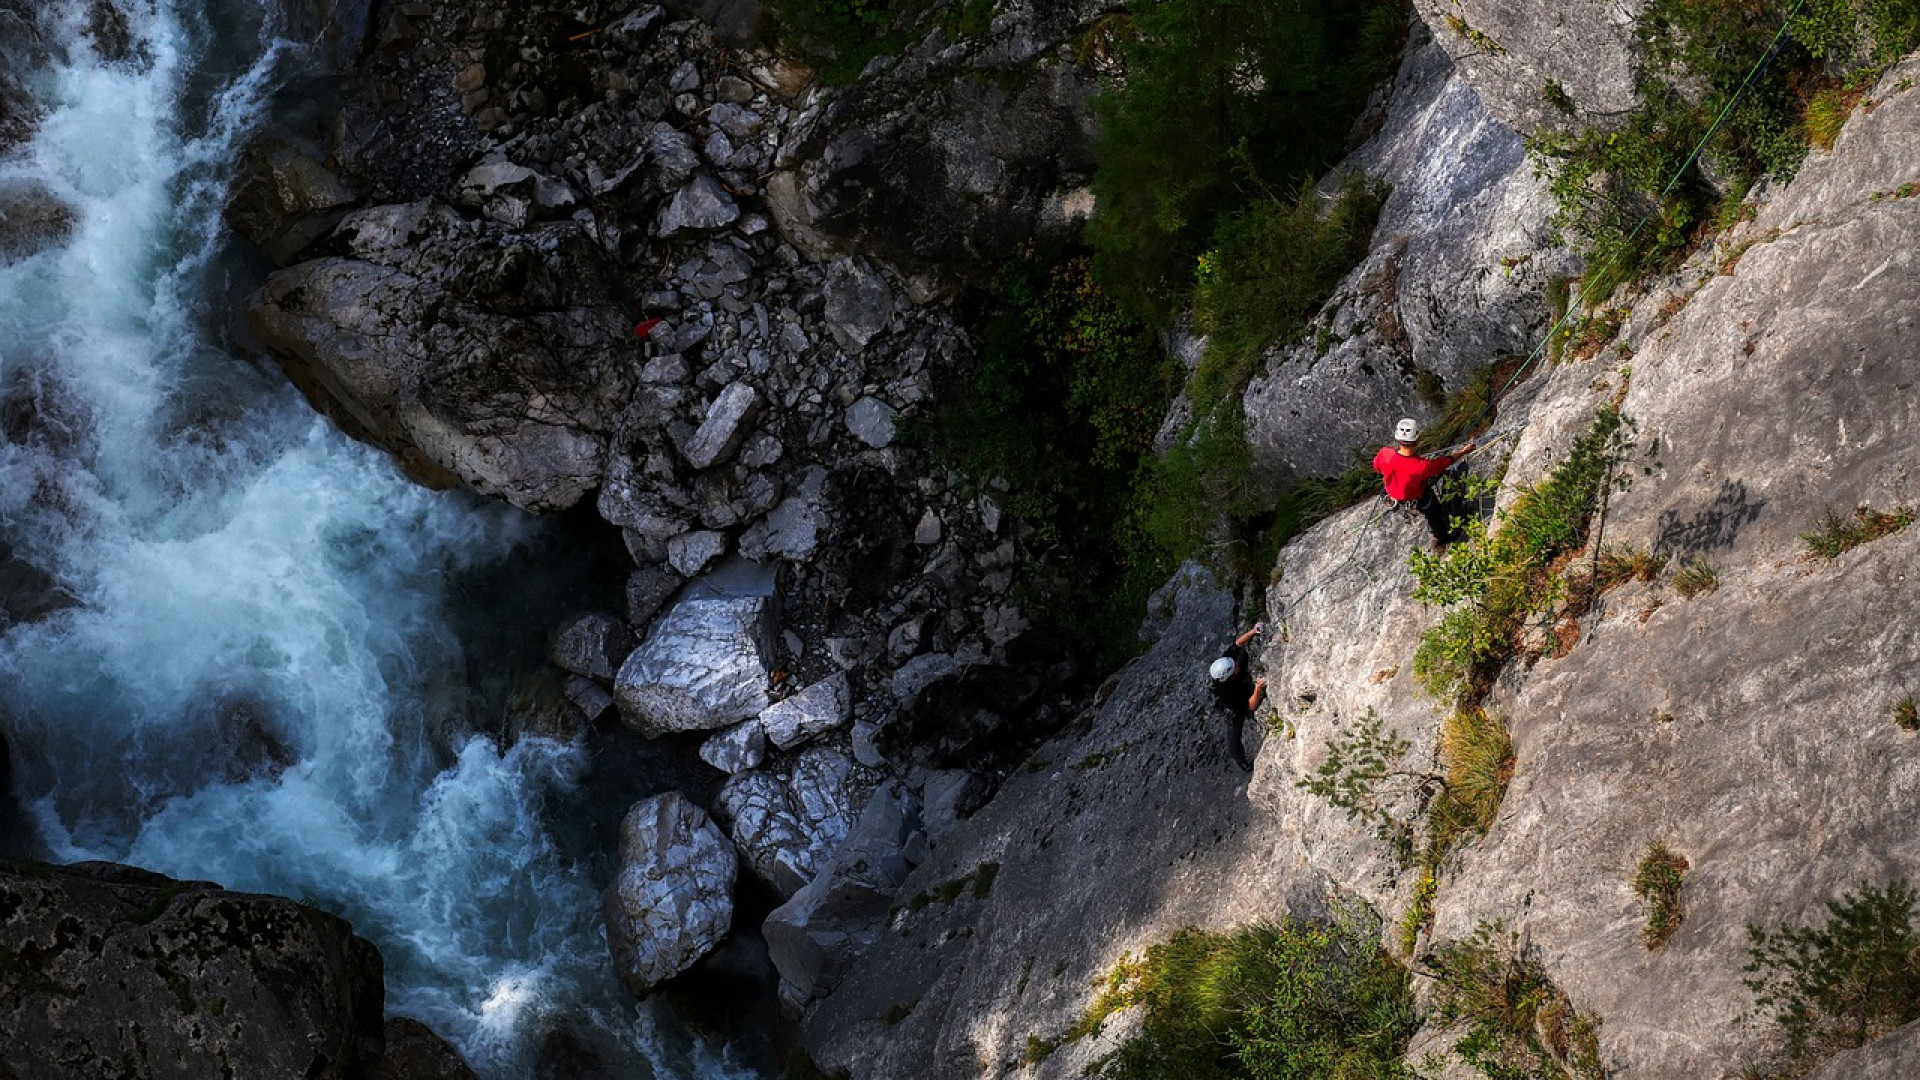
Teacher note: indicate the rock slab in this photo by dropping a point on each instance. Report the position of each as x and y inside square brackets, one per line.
[673, 898]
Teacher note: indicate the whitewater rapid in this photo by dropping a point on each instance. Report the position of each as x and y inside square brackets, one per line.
[255, 681]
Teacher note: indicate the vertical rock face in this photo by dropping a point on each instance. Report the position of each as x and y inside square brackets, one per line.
[113, 971]
[1456, 278]
[672, 899]
[1512, 52]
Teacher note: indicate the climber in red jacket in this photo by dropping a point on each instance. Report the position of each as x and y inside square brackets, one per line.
[1410, 479]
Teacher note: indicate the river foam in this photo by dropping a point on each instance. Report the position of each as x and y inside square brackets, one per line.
[253, 681]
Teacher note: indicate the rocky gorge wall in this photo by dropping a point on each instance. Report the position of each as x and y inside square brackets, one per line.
[1750, 728]
[470, 248]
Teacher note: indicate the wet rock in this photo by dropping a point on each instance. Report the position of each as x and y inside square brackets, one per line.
[814, 938]
[127, 966]
[704, 664]
[728, 420]
[788, 825]
[287, 198]
[672, 899]
[595, 646]
[32, 219]
[871, 421]
[414, 1052]
[28, 593]
[815, 710]
[592, 699]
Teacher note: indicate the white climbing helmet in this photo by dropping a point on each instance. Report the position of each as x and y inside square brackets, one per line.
[1407, 430]
[1221, 669]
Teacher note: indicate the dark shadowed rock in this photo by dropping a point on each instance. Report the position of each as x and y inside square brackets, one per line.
[113, 971]
[815, 937]
[595, 646]
[414, 1052]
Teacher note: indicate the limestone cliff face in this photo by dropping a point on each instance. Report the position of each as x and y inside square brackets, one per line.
[1749, 728]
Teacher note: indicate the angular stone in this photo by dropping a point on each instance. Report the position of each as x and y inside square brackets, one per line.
[929, 531]
[647, 588]
[859, 305]
[871, 421]
[948, 796]
[701, 206]
[672, 899]
[814, 938]
[592, 699]
[913, 677]
[736, 749]
[788, 826]
[819, 708]
[704, 665]
[728, 420]
[792, 530]
[595, 646]
[690, 553]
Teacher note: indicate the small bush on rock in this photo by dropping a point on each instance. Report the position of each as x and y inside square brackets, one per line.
[1287, 1000]
[1839, 534]
[1834, 987]
[1520, 1026]
[1657, 880]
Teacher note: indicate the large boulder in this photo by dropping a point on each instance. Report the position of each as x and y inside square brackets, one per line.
[113, 971]
[478, 355]
[957, 153]
[788, 823]
[814, 937]
[705, 664]
[672, 899]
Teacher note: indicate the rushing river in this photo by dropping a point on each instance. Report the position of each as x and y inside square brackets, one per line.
[255, 679]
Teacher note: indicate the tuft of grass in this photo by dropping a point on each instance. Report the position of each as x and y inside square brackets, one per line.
[1827, 113]
[1619, 565]
[1418, 918]
[1838, 534]
[1657, 880]
[1696, 577]
[1906, 716]
[1478, 753]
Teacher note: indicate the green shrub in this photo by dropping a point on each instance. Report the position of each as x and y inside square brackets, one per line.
[1834, 987]
[1365, 775]
[1657, 880]
[1906, 715]
[1287, 1000]
[1271, 266]
[1065, 375]
[842, 36]
[1838, 535]
[1520, 1026]
[1635, 196]
[1492, 581]
[1220, 103]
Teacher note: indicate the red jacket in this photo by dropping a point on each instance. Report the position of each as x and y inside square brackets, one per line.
[1407, 477]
